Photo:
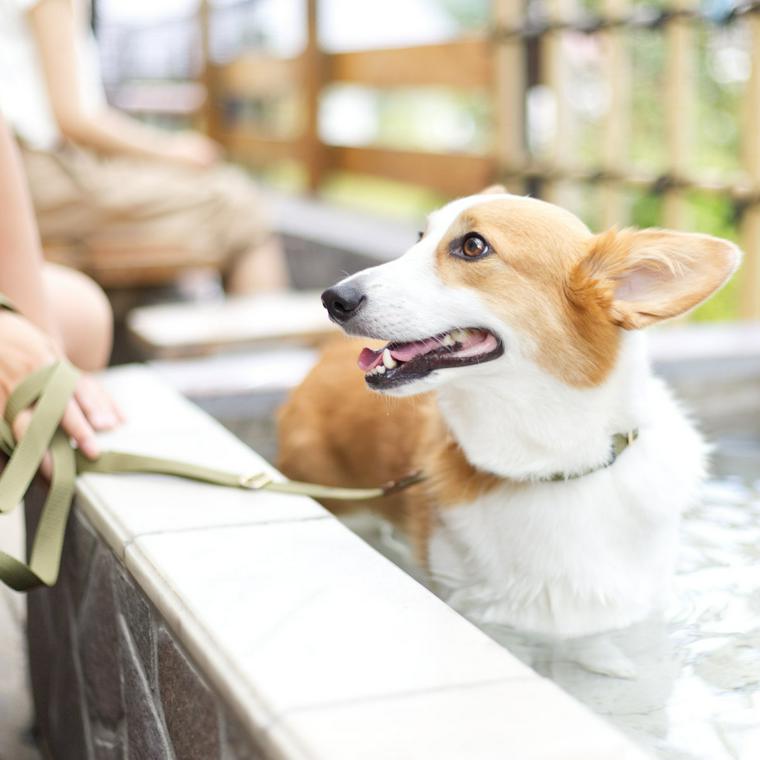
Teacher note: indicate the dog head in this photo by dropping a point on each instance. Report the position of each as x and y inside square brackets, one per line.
[498, 279]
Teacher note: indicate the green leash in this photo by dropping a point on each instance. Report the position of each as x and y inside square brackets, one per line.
[49, 390]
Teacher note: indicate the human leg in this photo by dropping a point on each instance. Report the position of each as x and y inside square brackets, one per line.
[83, 316]
[212, 217]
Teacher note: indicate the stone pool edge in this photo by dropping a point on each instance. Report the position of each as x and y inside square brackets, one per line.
[292, 732]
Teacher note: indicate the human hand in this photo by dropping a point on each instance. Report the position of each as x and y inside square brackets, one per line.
[192, 149]
[25, 349]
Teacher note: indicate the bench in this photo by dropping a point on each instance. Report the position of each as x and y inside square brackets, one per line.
[200, 328]
[134, 266]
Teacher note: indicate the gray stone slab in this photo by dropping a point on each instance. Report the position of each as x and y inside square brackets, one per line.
[146, 736]
[321, 224]
[69, 729]
[190, 709]
[98, 643]
[238, 745]
[15, 698]
[139, 619]
[107, 745]
[39, 641]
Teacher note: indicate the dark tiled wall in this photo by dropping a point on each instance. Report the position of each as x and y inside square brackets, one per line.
[109, 680]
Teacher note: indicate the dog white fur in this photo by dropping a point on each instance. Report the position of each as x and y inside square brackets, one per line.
[570, 557]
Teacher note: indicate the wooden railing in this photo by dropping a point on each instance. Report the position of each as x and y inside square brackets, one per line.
[515, 55]
[465, 64]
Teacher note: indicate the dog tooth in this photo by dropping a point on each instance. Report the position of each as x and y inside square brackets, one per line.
[447, 340]
[459, 336]
[388, 361]
[380, 370]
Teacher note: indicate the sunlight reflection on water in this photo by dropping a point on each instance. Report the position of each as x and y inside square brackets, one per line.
[697, 692]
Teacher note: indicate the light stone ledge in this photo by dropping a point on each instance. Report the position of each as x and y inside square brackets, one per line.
[319, 646]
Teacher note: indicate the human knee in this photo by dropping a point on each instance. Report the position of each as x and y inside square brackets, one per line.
[83, 315]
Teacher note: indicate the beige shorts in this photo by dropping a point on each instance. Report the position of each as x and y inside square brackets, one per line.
[210, 216]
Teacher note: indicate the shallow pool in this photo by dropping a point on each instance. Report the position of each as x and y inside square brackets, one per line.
[697, 691]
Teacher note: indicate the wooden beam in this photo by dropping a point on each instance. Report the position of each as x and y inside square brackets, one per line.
[509, 75]
[257, 74]
[259, 149]
[555, 76]
[680, 87]
[314, 79]
[212, 118]
[462, 63]
[451, 174]
[617, 120]
[749, 297]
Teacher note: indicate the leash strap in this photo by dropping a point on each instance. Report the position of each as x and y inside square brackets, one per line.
[49, 390]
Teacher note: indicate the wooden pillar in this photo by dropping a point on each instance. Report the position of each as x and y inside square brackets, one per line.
[212, 118]
[553, 75]
[616, 135]
[313, 73]
[509, 95]
[749, 300]
[679, 111]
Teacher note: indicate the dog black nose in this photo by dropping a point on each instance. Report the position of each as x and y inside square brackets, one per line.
[343, 302]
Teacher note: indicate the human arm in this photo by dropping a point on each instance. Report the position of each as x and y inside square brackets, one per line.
[54, 26]
[21, 261]
[31, 339]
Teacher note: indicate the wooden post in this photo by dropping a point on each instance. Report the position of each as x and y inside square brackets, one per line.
[617, 120]
[212, 119]
[679, 112]
[313, 73]
[749, 299]
[509, 94]
[553, 75]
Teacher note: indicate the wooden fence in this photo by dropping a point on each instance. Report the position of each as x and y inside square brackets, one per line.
[517, 53]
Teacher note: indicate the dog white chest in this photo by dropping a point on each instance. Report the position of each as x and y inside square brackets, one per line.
[575, 557]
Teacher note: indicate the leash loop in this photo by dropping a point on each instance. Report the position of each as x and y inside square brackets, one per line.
[51, 388]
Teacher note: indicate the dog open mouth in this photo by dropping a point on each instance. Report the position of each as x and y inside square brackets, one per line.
[399, 363]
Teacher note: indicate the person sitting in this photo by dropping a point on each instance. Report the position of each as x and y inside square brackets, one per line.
[102, 179]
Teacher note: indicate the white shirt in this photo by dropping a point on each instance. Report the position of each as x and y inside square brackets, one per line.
[24, 100]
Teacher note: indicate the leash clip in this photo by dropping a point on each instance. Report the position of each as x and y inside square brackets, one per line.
[256, 481]
[401, 484]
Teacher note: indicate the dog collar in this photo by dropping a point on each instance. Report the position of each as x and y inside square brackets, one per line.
[620, 442]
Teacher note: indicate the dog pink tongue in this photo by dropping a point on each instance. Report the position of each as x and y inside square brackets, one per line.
[407, 351]
[369, 359]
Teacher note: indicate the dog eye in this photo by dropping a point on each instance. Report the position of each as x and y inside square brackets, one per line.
[474, 246]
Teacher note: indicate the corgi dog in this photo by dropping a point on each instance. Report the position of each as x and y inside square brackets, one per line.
[513, 374]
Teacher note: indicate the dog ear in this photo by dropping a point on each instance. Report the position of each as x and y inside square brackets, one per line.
[494, 190]
[644, 276]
